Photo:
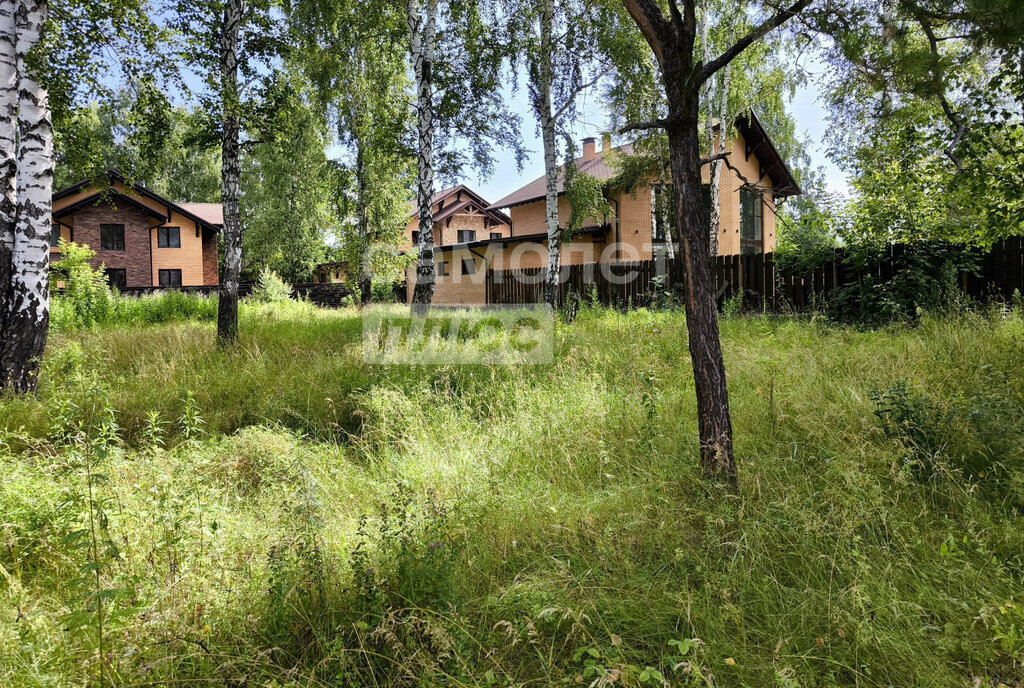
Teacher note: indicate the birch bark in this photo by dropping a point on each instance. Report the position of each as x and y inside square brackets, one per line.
[28, 313]
[421, 48]
[227, 306]
[8, 155]
[542, 104]
[716, 166]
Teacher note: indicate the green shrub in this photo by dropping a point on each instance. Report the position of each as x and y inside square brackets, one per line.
[85, 299]
[270, 288]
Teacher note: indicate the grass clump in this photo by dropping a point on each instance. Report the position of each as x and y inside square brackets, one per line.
[282, 513]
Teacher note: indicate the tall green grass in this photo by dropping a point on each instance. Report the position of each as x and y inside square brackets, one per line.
[283, 514]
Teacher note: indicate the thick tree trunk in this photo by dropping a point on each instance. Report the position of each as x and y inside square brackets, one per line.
[714, 424]
[227, 306]
[542, 105]
[28, 316]
[8, 156]
[421, 32]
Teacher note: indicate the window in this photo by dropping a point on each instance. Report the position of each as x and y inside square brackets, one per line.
[117, 277]
[54, 235]
[495, 235]
[442, 268]
[111, 237]
[751, 221]
[168, 237]
[170, 278]
[415, 238]
[467, 235]
[468, 266]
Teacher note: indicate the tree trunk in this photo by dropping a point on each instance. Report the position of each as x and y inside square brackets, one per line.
[8, 157]
[362, 227]
[714, 424]
[227, 306]
[421, 33]
[29, 307]
[716, 166]
[542, 104]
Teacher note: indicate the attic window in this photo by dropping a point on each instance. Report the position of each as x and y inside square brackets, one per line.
[467, 235]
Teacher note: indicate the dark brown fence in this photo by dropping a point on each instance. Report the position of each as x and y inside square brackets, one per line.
[994, 273]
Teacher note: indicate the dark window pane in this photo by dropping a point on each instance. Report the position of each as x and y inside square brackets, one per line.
[55, 235]
[170, 278]
[467, 235]
[112, 237]
[117, 277]
[468, 266]
[495, 235]
[168, 237]
[415, 238]
[442, 268]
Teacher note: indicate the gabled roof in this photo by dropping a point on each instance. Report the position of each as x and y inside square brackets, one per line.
[772, 164]
[758, 143]
[464, 197]
[209, 216]
[599, 167]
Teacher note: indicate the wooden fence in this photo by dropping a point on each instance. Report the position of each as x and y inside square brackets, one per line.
[994, 273]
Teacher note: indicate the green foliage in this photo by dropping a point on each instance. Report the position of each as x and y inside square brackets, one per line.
[585, 195]
[180, 165]
[924, 277]
[288, 192]
[270, 288]
[85, 300]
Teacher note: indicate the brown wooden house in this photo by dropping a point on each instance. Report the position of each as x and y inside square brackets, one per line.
[141, 239]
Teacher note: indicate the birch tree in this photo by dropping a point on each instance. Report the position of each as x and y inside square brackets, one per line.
[421, 16]
[234, 46]
[459, 116]
[673, 40]
[230, 183]
[355, 56]
[8, 165]
[27, 302]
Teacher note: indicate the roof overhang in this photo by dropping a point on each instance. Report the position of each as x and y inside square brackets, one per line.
[115, 197]
[114, 175]
[760, 145]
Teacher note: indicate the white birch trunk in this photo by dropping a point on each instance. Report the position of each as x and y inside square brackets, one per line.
[29, 307]
[8, 155]
[542, 105]
[716, 166]
[421, 49]
[709, 132]
[227, 306]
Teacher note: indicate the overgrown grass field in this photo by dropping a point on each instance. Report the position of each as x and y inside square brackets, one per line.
[283, 514]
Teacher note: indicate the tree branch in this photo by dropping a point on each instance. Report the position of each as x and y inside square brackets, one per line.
[951, 115]
[755, 34]
[712, 158]
[651, 22]
[653, 124]
[571, 98]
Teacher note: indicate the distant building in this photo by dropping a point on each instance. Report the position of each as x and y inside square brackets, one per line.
[140, 238]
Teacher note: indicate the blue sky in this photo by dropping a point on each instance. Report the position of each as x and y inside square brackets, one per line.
[806, 108]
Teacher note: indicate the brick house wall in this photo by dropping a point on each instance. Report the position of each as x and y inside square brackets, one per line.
[136, 257]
